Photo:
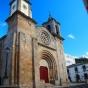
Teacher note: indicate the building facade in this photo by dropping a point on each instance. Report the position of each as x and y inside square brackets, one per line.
[78, 72]
[31, 55]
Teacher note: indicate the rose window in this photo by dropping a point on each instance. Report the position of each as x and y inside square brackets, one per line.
[45, 38]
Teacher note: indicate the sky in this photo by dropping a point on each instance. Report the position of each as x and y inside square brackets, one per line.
[71, 14]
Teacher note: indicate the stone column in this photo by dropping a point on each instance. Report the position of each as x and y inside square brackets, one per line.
[36, 75]
[15, 58]
[58, 82]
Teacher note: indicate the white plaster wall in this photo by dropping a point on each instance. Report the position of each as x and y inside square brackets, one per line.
[87, 67]
[30, 12]
[80, 72]
[72, 72]
[25, 11]
[15, 8]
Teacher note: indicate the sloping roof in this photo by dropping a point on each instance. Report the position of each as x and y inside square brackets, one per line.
[50, 19]
[73, 65]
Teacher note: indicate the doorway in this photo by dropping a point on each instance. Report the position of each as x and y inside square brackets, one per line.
[44, 74]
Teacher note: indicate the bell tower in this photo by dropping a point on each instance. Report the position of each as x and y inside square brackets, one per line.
[21, 27]
[21, 5]
[53, 26]
[20, 15]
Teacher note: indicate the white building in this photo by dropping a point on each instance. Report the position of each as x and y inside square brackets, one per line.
[78, 72]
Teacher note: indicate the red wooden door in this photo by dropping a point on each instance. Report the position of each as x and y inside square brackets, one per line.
[44, 74]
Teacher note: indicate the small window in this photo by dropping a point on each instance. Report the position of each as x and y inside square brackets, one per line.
[13, 7]
[24, 6]
[77, 77]
[85, 76]
[84, 68]
[76, 69]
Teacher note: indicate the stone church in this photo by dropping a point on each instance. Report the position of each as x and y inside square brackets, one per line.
[31, 56]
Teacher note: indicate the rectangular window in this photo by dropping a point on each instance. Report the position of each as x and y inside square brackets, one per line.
[84, 68]
[76, 69]
[24, 6]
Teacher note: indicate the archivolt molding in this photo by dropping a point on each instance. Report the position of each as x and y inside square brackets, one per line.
[46, 55]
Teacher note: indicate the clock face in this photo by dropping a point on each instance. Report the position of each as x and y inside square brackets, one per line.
[45, 38]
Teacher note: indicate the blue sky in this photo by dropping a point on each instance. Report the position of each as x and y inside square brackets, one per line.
[70, 13]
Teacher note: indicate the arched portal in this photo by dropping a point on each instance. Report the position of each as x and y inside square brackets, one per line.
[48, 67]
[44, 71]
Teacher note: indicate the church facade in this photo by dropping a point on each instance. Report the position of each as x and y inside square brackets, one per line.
[31, 56]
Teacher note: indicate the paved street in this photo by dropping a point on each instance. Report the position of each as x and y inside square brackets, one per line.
[79, 86]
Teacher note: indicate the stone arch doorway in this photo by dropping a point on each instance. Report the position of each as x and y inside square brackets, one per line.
[44, 71]
[48, 68]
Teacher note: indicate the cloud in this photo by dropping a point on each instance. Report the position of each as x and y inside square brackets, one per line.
[70, 56]
[71, 36]
[85, 55]
[69, 59]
